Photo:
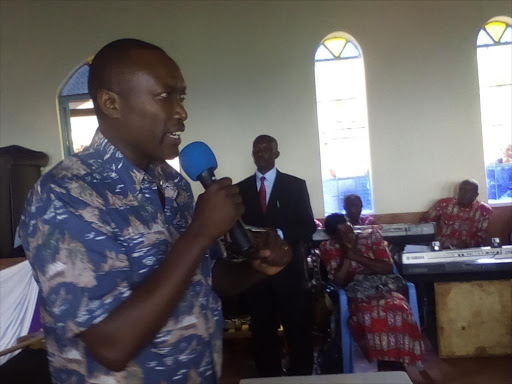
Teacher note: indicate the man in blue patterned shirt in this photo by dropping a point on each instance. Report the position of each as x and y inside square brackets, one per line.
[118, 249]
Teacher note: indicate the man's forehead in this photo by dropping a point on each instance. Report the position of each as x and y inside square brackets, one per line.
[152, 62]
[468, 183]
[143, 57]
[264, 141]
[468, 186]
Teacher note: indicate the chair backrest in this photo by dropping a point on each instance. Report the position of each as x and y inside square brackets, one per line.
[20, 168]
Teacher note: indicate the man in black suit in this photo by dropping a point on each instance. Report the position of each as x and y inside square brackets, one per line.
[277, 200]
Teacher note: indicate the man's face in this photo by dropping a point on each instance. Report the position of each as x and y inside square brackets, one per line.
[353, 207]
[151, 110]
[467, 194]
[264, 153]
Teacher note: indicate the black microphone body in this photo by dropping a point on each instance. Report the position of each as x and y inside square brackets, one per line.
[238, 233]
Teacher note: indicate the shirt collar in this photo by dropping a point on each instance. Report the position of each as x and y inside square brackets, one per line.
[270, 176]
[474, 205]
[112, 158]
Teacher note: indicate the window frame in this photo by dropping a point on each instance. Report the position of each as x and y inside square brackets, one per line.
[508, 22]
[368, 175]
[65, 119]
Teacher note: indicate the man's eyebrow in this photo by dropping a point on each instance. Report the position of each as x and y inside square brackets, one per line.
[182, 90]
[177, 88]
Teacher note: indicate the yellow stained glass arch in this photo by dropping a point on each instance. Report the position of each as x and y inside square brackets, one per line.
[335, 45]
[339, 47]
[495, 32]
[495, 29]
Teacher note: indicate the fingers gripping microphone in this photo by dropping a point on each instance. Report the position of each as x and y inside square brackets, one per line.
[199, 163]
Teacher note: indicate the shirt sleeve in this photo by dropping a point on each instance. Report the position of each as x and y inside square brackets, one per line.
[380, 247]
[82, 271]
[367, 220]
[433, 214]
[481, 227]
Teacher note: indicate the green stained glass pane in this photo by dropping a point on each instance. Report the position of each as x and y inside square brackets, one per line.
[496, 29]
[350, 51]
[483, 38]
[335, 45]
[323, 53]
[507, 36]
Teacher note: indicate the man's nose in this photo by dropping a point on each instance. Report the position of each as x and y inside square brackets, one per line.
[180, 112]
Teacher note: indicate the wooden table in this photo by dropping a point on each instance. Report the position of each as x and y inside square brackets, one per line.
[9, 262]
[352, 378]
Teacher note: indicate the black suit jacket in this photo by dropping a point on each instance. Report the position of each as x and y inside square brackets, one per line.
[288, 209]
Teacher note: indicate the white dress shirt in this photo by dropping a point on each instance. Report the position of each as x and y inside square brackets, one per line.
[270, 177]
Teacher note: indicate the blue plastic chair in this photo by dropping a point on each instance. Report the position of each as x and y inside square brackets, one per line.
[347, 342]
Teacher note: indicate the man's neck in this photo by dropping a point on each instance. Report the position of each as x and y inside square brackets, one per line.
[265, 172]
[465, 205]
[127, 152]
[353, 221]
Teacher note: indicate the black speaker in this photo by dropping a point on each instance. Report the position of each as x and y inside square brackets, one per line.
[20, 168]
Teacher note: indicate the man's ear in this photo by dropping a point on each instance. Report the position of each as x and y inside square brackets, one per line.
[109, 103]
[277, 154]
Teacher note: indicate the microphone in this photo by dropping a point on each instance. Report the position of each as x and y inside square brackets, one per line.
[199, 163]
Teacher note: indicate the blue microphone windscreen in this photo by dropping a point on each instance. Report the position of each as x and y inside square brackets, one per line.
[196, 158]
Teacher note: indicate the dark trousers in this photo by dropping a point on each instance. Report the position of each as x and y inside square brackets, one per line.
[282, 299]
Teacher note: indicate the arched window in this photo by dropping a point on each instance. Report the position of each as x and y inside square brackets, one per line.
[77, 116]
[342, 122]
[494, 52]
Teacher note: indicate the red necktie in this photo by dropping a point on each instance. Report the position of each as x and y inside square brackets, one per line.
[263, 195]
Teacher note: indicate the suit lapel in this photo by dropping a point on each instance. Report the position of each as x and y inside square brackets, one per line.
[254, 196]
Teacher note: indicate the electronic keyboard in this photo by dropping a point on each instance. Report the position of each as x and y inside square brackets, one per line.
[393, 233]
[457, 260]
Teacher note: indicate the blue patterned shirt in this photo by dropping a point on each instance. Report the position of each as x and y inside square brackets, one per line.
[93, 229]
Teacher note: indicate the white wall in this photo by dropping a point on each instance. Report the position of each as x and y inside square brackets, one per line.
[249, 69]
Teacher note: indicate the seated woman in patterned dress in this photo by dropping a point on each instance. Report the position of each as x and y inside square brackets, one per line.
[381, 320]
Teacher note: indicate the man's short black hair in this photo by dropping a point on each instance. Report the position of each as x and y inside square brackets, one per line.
[107, 60]
[332, 221]
[268, 138]
[352, 196]
[471, 183]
